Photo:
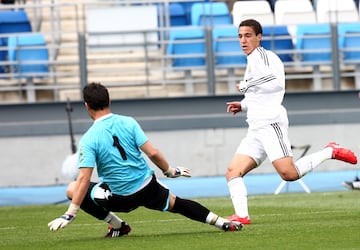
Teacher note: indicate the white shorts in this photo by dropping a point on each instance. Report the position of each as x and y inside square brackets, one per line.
[267, 141]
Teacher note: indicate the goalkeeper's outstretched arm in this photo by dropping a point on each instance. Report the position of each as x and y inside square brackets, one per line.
[81, 187]
[159, 160]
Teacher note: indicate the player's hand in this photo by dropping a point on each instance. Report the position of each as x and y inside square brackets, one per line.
[242, 87]
[233, 107]
[61, 222]
[177, 172]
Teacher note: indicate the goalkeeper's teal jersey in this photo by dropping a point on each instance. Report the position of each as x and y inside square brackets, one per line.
[112, 145]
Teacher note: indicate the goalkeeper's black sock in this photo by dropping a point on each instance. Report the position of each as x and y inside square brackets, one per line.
[190, 209]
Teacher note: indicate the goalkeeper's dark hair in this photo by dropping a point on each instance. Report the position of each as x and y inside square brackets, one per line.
[253, 24]
[96, 96]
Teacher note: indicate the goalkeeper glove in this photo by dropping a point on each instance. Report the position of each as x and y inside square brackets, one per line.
[65, 219]
[61, 222]
[176, 172]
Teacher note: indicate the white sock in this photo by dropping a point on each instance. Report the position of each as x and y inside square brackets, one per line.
[214, 219]
[238, 194]
[307, 163]
[113, 220]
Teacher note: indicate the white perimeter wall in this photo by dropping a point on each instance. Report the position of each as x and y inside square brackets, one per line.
[33, 161]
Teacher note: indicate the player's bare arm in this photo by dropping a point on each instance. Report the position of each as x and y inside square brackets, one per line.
[80, 188]
[81, 185]
[159, 160]
[155, 156]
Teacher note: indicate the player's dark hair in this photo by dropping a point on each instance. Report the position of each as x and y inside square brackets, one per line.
[96, 96]
[255, 25]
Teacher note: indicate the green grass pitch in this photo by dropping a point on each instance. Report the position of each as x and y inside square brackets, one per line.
[286, 221]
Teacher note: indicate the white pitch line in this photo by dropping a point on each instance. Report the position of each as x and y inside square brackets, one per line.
[303, 213]
[7, 228]
[132, 222]
[169, 220]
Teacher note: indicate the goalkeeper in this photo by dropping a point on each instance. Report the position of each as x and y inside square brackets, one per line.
[114, 144]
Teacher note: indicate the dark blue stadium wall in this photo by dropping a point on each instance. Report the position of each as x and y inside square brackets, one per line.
[163, 114]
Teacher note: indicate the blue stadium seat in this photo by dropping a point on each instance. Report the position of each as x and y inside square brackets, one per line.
[349, 41]
[14, 22]
[187, 8]
[29, 55]
[210, 14]
[3, 52]
[278, 39]
[227, 48]
[176, 13]
[186, 43]
[313, 43]
[352, 47]
[349, 44]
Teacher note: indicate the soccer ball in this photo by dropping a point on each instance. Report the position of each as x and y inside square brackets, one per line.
[69, 167]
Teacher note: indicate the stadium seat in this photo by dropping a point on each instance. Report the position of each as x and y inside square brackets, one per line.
[210, 14]
[349, 44]
[3, 52]
[28, 55]
[259, 10]
[176, 13]
[183, 44]
[349, 41]
[278, 39]
[13, 22]
[336, 11]
[187, 7]
[227, 47]
[228, 53]
[28, 58]
[287, 12]
[313, 43]
[187, 49]
[351, 47]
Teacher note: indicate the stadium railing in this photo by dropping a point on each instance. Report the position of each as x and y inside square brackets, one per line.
[28, 58]
[142, 68]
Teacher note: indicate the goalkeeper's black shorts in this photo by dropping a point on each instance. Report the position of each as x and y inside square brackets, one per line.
[153, 196]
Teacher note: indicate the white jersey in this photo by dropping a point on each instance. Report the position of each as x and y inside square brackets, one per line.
[265, 81]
